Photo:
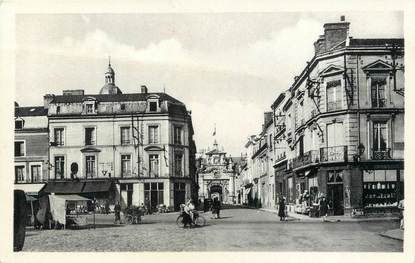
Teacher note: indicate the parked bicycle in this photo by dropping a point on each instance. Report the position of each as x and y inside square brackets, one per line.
[133, 215]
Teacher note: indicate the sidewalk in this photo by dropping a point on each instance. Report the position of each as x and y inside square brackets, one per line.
[305, 218]
[394, 234]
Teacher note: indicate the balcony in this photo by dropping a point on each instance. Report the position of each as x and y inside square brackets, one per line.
[280, 157]
[384, 154]
[333, 154]
[308, 158]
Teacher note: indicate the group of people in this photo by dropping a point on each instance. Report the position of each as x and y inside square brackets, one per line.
[323, 208]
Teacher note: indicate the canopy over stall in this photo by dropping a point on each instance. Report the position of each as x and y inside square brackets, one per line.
[58, 204]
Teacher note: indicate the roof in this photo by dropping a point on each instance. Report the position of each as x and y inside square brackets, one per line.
[376, 41]
[113, 97]
[279, 99]
[30, 111]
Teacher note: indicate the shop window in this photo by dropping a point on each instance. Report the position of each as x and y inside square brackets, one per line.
[154, 194]
[380, 188]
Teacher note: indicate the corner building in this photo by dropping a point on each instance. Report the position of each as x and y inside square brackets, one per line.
[343, 125]
[134, 148]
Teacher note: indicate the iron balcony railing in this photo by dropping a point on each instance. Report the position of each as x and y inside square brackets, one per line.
[384, 154]
[333, 154]
[307, 158]
[280, 157]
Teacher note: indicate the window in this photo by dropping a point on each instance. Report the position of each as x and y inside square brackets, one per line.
[89, 136]
[19, 174]
[335, 176]
[380, 136]
[18, 124]
[153, 134]
[178, 164]
[177, 135]
[335, 134]
[58, 109]
[122, 106]
[89, 108]
[270, 142]
[90, 166]
[19, 149]
[378, 85]
[125, 135]
[154, 194]
[153, 106]
[125, 165]
[334, 95]
[59, 167]
[35, 172]
[154, 165]
[58, 134]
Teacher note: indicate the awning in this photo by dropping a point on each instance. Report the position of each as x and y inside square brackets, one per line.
[35, 188]
[72, 197]
[30, 198]
[71, 187]
[96, 186]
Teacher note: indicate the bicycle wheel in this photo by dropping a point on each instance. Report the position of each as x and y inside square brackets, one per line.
[179, 221]
[200, 221]
[129, 220]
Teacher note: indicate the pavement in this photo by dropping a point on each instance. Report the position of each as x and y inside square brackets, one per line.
[344, 218]
[394, 234]
[236, 230]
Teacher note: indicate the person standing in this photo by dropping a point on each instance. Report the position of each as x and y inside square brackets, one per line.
[281, 208]
[107, 206]
[117, 210]
[323, 207]
[401, 207]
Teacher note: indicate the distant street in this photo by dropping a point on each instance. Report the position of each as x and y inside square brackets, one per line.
[237, 230]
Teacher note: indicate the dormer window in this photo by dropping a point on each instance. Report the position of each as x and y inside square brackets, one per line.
[58, 109]
[18, 124]
[90, 105]
[89, 108]
[153, 106]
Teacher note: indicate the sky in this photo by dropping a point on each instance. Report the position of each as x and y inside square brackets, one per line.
[228, 68]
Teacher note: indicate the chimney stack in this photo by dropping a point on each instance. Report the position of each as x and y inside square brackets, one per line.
[267, 117]
[47, 99]
[334, 34]
[144, 89]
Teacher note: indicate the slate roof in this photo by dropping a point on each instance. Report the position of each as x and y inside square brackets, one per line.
[113, 97]
[30, 111]
[376, 41]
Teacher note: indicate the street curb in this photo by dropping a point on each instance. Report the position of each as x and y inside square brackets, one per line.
[391, 237]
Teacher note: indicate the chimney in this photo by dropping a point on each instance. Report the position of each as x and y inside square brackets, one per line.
[70, 92]
[47, 99]
[144, 89]
[334, 34]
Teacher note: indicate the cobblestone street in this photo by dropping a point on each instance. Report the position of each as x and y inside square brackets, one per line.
[237, 230]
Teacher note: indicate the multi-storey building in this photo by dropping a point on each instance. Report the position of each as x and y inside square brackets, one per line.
[30, 149]
[344, 123]
[134, 148]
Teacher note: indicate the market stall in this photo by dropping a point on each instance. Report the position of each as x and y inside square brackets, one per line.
[69, 210]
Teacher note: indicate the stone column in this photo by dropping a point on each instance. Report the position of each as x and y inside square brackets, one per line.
[232, 188]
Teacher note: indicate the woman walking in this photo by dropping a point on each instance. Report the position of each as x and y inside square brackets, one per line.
[281, 208]
[323, 208]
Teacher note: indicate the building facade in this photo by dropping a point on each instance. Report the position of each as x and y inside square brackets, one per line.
[31, 164]
[339, 129]
[134, 148]
[216, 175]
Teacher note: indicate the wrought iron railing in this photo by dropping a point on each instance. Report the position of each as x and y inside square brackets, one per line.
[384, 154]
[307, 158]
[333, 154]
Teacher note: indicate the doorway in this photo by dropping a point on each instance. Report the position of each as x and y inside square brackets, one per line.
[216, 192]
[179, 195]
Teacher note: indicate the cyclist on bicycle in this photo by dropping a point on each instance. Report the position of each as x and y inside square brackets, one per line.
[189, 209]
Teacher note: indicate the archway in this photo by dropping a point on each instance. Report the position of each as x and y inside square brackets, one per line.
[216, 191]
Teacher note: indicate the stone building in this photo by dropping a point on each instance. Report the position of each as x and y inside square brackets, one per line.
[344, 124]
[134, 148]
[30, 149]
[216, 175]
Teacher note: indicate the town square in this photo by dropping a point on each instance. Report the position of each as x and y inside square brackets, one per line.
[226, 132]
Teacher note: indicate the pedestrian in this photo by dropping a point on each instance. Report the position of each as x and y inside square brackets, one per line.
[216, 208]
[117, 210]
[148, 205]
[401, 207]
[323, 207]
[281, 208]
[107, 206]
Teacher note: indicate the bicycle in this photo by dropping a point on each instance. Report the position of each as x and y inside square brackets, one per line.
[184, 219]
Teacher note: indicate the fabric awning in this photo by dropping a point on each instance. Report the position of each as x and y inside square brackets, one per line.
[96, 186]
[71, 187]
[72, 197]
[32, 188]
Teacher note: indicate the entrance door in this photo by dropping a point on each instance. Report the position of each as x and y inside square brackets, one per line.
[129, 198]
[335, 198]
[216, 192]
[179, 195]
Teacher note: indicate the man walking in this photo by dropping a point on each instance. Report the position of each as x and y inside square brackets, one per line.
[117, 210]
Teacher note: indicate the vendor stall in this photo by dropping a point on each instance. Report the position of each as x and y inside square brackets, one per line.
[69, 210]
